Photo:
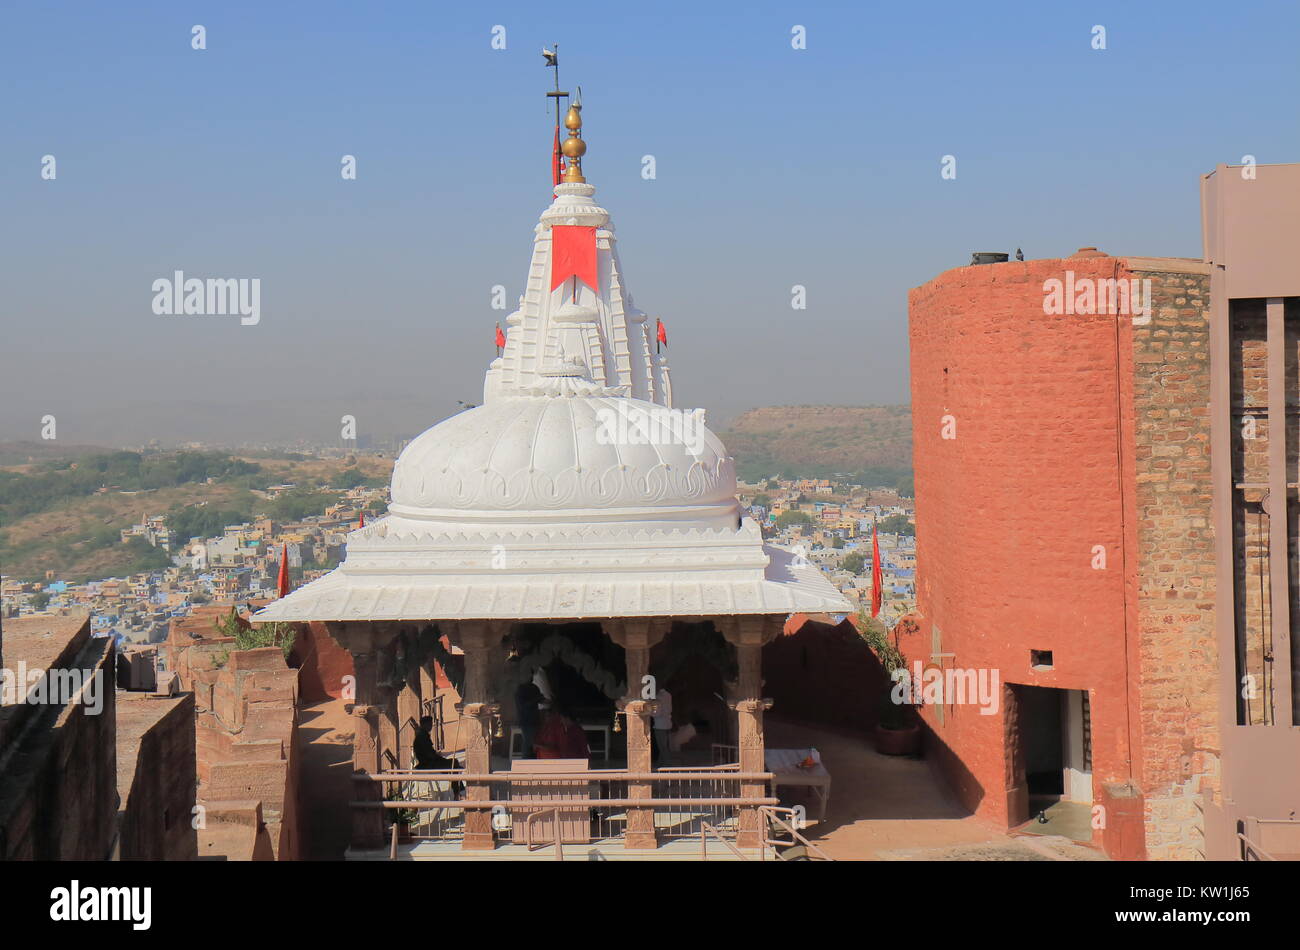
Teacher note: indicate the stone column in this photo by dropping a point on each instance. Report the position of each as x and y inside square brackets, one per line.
[636, 637]
[479, 640]
[386, 707]
[748, 635]
[409, 707]
[367, 823]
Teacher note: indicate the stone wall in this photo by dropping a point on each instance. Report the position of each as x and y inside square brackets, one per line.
[1179, 729]
[823, 674]
[1070, 512]
[58, 763]
[1013, 506]
[156, 777]
[247, 748]
[321, 662]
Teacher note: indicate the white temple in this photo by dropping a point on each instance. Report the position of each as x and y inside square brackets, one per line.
[574, 491]
[574, 518]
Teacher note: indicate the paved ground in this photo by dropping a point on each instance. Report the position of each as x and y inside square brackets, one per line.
[887, 808]
[325, 731]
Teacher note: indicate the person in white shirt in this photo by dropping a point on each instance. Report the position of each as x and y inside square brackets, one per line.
[663, 725]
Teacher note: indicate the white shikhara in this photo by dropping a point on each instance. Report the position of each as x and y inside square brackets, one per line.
[574, 491]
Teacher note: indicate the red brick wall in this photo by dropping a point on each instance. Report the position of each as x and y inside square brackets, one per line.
[1072, 431]
[1008, 512]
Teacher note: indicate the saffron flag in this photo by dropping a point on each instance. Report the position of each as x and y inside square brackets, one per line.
[501, 337]
[283, 581]
[877, 580]
[573, 254]
[557, 168]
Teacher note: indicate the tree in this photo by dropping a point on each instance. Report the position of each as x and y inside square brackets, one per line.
[787, 518]
[350, 478]
[898, 524]
[41, 600]
[837, 543]
[763, 501]
[854, 562]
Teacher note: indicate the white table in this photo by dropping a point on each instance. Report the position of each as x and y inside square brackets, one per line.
[784, 766]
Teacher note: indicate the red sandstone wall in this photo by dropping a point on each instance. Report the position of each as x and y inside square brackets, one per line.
[824, 675]
[322, 663]
[1008, 512]
[247, 752]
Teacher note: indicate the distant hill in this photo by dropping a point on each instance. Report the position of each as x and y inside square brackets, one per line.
[50, 522]
[818, 441]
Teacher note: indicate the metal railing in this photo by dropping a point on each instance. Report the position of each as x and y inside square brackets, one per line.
[683, 801]
[557, 839]
[707, 831]
[772, 816]
[1252, 851]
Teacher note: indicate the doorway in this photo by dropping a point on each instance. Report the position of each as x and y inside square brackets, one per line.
[1054, 739]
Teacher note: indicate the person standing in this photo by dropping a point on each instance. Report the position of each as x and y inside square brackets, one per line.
[663, 726]
[528, 713]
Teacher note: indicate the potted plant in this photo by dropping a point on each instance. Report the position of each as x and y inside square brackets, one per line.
[897, 732]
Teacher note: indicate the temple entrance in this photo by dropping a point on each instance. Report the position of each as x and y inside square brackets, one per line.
[574, 668]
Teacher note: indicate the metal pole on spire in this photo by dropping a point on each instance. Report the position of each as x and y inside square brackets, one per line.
[553, 62]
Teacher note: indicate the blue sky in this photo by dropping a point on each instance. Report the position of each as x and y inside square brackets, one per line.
[775, 167]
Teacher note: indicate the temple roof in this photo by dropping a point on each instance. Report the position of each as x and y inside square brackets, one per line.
[575, 490]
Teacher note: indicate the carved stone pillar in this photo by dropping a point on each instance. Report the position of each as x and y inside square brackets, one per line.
[365, 718]
[636, 637]
[367, 823]
[479, 640]
[409, 711]
[748, 635]
[386, 706]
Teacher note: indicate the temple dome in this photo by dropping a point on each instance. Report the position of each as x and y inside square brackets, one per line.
[568, 455]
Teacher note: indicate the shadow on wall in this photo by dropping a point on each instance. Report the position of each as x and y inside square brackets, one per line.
[823, 674]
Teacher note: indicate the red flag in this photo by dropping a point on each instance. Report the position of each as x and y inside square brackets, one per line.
[283, 581]
[557, 168]
[877, 580]
[661, 332]
[573, 254]
[501, 337]
[361, 519]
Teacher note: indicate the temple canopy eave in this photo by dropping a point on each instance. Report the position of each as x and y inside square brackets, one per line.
[780, 588]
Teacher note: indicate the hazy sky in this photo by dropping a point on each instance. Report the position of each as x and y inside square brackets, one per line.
[775, 167]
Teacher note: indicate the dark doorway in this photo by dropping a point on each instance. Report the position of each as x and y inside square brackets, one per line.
[1041, 733]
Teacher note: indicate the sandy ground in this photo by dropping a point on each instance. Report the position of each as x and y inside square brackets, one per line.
[325, 780]
[887, 808]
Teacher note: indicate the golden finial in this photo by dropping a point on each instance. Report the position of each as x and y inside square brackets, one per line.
[574, 147]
